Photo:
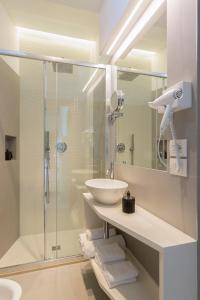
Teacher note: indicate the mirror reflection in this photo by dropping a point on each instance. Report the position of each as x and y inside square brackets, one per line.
[138, 129]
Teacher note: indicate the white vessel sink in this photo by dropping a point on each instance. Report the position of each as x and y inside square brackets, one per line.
[9, 290]
[106, 191]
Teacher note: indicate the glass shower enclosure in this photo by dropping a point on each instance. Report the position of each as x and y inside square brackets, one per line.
[59, 146]
[57, 129]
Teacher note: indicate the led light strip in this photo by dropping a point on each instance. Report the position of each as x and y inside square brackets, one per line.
[139, 26]
[125, 26]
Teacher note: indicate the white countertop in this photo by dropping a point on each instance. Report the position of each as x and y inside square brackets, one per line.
[142, 225]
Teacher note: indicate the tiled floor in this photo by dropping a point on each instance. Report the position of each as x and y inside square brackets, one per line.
[30, 248]
[69, 282]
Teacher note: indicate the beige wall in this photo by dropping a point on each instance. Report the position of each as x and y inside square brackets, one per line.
[9, 125]
[31, 147]
[9, 170]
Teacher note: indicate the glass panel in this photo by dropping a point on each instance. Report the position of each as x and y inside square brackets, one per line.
[138, 129]
[21, 115]
[50, 161]
[80, 113]
[140, 125]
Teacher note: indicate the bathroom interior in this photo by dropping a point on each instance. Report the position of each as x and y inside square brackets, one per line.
[98, 98]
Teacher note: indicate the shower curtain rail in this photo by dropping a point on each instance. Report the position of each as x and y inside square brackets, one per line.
[28, 55]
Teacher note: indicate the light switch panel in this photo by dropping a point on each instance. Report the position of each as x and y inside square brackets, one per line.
[173, 167]
[182, 146]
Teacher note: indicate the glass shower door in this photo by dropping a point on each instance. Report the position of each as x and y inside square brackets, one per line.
[75, 116]
[50, 162]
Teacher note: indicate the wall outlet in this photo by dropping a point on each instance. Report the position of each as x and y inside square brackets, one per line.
[182, 147]
[173, 167]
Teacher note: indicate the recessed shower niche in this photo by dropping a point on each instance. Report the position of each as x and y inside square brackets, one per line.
[10, 147]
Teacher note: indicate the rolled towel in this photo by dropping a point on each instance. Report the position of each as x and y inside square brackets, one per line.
[121, 272]
[98, 233]
[109, 253]
[82, 238]
[88, 247]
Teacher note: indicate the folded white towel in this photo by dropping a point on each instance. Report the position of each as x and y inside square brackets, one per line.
[109, 253]
[118, 273]
[98, 233]
[88, 247]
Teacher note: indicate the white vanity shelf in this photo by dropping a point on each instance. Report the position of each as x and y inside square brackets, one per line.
[177, 255]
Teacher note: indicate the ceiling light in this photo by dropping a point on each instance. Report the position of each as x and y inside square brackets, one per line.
[139, 26]
[125, 26]
[142, 53]
[52, 37]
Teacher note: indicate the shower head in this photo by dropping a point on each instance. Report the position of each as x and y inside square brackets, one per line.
[127, 76]
[62, 68]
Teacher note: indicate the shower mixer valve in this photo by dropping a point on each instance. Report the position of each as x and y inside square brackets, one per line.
[61, 147]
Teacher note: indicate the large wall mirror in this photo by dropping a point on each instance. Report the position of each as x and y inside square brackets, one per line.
[138, 129]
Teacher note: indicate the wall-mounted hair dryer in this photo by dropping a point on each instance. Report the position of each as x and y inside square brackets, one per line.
[176, 98]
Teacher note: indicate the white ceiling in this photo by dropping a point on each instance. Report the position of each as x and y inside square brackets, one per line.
[90, 5]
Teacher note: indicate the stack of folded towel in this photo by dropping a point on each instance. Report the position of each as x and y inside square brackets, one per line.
[94, 237]
[109, 255]
[115, 268]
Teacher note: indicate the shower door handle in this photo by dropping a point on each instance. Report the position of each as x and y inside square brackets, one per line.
[46, 167]
[46, 181]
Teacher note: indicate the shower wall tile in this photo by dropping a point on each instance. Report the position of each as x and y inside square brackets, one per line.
[9, 170]
[31, 147]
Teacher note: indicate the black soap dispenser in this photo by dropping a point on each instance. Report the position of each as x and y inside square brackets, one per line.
[128, 203]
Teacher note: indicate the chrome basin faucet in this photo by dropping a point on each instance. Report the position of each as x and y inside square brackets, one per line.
[110, 171]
